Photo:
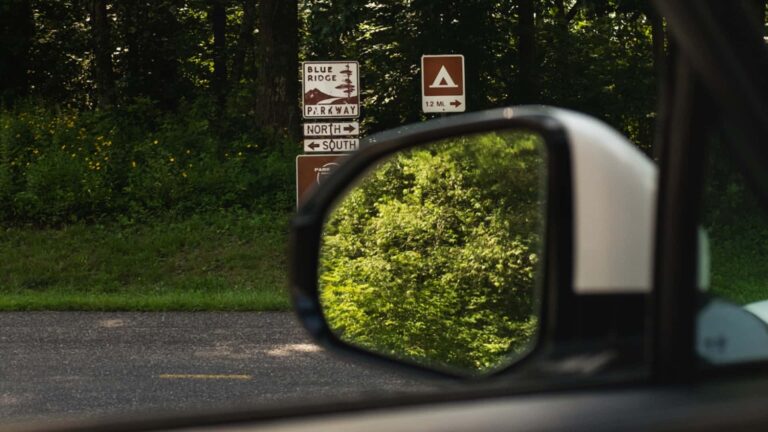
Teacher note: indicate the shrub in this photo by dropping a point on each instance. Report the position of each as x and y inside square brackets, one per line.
[433, 256]
[135, 162]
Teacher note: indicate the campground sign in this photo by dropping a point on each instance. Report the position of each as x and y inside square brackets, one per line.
[442, 83]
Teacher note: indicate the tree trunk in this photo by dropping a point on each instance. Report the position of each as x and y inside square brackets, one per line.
[562, 59]
[217, 15]
[244, 40]
[760, 13]
[561, 13]
[151, 66]
[526, 51]
[102, 52]
[16, 32]
[278, 77]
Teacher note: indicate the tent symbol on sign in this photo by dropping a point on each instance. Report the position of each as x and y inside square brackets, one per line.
[443, 79]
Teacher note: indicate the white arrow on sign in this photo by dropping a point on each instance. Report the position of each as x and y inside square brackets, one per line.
[331, 145]
[339, 129]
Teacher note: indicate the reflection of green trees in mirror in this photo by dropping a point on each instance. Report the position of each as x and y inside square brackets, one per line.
[434, 255]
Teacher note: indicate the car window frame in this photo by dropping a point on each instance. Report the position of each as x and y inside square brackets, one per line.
[721, 70]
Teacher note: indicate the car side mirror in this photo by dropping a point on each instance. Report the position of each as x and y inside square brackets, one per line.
[449, 245]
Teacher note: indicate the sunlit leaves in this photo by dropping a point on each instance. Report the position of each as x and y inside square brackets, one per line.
[434, 256]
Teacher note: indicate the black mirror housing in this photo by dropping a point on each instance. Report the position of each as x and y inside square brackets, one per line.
[557, 250]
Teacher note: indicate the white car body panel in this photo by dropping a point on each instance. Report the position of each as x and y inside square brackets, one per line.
[759, 309]
[614, 196]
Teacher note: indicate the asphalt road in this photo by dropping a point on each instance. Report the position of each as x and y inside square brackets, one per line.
[75, 364]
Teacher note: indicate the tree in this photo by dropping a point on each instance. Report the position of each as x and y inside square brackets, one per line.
[278, 74]
[16, 31]
[153, 43]
[217, 15]
[526, 53]
[245, 42]
[758, 7]
[102, 52]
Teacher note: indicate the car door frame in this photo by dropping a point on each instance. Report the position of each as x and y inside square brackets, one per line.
[721, 68]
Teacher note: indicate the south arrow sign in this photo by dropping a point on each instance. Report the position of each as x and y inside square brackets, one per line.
[331, 145]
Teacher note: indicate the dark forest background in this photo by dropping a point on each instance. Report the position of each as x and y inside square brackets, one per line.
[134, 109]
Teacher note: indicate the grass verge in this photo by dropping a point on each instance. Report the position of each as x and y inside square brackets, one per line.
[219, 261]
[739, 251]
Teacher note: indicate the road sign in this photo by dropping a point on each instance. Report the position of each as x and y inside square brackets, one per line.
[331, 145]
[339, 129]
[331, 89]
[442, 83]
[312, 170]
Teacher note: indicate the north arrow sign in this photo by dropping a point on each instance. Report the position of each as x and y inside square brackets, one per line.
[331, 130]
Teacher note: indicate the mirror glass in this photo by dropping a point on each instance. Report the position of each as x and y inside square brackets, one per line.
[435, 255]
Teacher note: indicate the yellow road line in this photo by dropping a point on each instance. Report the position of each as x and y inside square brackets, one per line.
[206, 376]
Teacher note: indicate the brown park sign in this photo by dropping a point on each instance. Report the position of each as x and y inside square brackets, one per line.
[331, 89]
[312, 170]
[442, 83]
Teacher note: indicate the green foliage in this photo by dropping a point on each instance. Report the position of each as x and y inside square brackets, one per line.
[136, 162]
[737, 224]
[593, 56]
[738, 253]
[597, 60]
[433, 256]
[601, 63]
[154, 47]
